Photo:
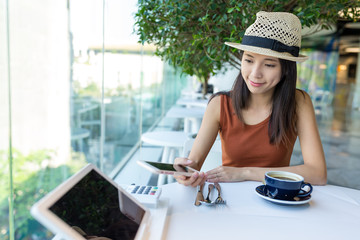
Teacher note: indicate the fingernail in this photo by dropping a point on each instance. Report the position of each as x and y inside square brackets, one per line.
[188, 161]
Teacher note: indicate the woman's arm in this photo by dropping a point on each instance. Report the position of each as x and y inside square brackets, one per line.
[314, 167]
[203, 142]
[207, 133]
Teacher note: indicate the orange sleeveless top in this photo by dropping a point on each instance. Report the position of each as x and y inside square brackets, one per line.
[249, 145]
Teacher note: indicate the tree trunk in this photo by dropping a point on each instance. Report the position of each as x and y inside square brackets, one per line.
[205, 86]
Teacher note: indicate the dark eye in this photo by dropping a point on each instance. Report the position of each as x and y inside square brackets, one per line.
[248, 60]
[270, 65]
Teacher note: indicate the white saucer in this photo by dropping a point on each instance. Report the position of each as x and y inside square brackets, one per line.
[295, 201]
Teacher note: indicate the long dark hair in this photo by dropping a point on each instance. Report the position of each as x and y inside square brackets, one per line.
[282, 122]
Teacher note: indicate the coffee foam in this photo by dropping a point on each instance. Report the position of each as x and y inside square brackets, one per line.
[279, 176]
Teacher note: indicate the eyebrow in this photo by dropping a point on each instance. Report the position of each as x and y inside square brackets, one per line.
[268, 59]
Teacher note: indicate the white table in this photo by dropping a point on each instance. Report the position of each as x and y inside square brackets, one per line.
[332, 213]
[192, 102]
[192, 117]
[191, 93]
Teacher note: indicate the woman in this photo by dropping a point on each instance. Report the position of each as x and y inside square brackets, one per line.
[260, 118]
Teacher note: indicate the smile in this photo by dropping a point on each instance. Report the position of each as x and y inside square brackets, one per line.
[255, 84]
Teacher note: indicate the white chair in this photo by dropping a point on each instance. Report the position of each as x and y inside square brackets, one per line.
[213, 159]
[87, 117]
[192, 117]
[77, 137]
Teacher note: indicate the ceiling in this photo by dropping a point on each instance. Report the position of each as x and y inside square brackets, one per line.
[347, 34]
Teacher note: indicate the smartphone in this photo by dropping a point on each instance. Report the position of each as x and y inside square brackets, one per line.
[167, 168]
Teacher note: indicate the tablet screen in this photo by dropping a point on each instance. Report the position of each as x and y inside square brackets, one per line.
[92, 208]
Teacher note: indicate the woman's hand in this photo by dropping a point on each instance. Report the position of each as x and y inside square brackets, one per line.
[196, 179]
[226, 174]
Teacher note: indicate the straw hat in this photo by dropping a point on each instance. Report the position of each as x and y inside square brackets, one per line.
[275, 34]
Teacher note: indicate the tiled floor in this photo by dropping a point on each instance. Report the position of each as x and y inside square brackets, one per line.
[340, 133]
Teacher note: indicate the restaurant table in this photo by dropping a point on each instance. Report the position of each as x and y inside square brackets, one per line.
[192, 102]
[190, 93]
[192, 117]
[332, 213]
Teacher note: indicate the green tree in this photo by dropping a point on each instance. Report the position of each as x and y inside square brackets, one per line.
[190, 34]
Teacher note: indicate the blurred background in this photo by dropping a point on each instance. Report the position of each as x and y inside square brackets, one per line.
[76, 87]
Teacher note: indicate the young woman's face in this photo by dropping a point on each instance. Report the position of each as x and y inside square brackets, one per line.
[261, 73]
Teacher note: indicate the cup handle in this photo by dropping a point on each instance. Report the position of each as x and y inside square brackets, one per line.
[303, 193]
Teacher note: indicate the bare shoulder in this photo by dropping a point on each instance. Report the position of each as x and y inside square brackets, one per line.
[303, 99]
[304, 107]
[214, 103]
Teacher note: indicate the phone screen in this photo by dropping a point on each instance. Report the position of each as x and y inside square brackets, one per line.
[171, 167]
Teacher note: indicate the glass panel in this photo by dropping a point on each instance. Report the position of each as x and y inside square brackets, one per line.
[4, 127]
[39, 69]
[58, 77]
[133, 82]
[86, 60]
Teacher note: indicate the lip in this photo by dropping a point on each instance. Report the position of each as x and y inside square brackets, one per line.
[255, 84]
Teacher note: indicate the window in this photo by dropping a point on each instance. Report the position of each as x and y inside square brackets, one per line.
[79, 89]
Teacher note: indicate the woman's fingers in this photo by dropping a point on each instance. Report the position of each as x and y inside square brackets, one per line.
[215, 178]
[195, 179]
[200, 178]
[213, 175]
[180, 177]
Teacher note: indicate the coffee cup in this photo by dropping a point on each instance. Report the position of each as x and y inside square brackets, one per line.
[285, 185]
